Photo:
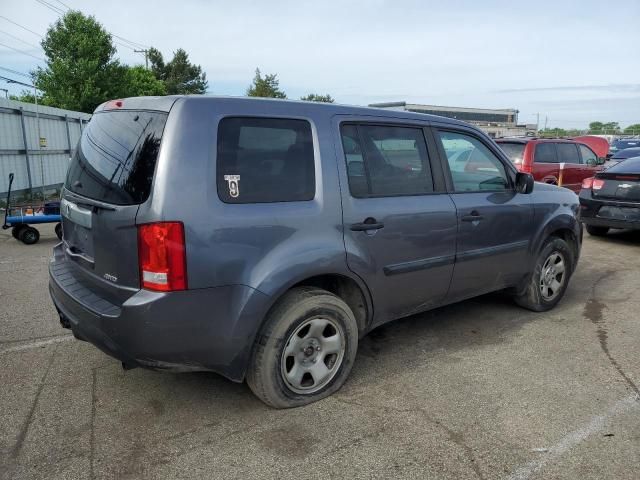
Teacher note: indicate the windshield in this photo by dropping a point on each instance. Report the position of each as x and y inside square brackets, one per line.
[514, 151]
[622, 144]
[627, 153]
[116, 157]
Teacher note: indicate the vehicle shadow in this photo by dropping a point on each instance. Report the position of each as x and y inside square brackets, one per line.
[621, 237]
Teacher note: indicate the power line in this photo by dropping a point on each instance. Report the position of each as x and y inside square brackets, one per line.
[130, 44]
[11, 80]
[23, 52]
[15, 72]
[20, 40]
[21, 26]
[64, 4]
[51, 7]
[135, 44]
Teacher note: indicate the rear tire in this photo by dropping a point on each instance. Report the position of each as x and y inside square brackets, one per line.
[29, 235]
[550, 278]
[597, 231]
[59, 231]
[305, 349]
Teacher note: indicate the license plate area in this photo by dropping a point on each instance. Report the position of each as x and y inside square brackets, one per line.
[620, 213]
[78, 236]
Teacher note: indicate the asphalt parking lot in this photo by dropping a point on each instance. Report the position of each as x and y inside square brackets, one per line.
[481, 389]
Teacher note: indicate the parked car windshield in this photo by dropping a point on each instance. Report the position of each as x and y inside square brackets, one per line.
[515, 151]
[622, 144]
[116, 157]
[627, 153]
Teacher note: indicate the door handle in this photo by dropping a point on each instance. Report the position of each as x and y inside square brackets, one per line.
[369, 224]
[474, 216]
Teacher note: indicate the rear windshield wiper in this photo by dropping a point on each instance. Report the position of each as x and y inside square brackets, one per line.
[88, 201]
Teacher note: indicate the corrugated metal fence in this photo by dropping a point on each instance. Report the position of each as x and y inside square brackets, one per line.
[36, 144]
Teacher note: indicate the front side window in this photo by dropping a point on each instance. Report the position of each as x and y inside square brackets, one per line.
[473, 166]
[386, 160]
[263, 160]
[545, 153]
[567, 153]
[588, 156]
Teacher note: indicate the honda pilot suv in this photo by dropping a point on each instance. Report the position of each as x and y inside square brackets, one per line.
[261, 239]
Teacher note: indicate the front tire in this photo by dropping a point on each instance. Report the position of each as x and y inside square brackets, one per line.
[597, 231]
[305, 350]
[550, 278]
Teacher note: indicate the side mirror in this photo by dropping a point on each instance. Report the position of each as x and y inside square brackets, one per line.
[524, 183]
[601, 161]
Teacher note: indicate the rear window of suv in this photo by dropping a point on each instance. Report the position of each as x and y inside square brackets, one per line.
[263, 160]
[116, 157]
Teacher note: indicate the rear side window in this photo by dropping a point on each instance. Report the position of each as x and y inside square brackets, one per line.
[385, 161]
[567, 153]
[263, 160]
[545, 153]
[116, 156]
[515, 151]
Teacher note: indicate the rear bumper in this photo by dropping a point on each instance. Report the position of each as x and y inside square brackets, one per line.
[206, 329]
[590, 207]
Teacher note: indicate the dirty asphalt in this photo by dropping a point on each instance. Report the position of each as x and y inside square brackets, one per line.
[482, 389]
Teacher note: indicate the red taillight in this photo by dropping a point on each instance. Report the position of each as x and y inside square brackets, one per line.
[597, 184]
[161, 256]
[587, 183]
[113, 104]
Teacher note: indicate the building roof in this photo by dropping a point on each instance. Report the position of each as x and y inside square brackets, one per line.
[418, 107]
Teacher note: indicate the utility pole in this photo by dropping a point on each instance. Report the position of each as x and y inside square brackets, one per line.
[146, 57]
[546, 118]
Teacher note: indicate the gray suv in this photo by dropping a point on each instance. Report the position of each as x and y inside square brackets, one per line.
[261, 239]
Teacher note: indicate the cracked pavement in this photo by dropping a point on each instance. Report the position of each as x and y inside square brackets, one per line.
[481, 389]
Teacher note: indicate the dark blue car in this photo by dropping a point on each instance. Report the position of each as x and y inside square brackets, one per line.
[261, 239]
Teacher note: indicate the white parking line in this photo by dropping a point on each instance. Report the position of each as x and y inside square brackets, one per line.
[569, 441]
[38, 344]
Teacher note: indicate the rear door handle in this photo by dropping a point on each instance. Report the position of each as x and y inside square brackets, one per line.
[474, 216]
[369, 224]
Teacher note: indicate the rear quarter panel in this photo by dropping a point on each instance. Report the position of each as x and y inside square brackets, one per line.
[264, 246]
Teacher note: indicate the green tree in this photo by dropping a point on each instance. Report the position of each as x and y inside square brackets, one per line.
[601, 128]
[595, 127]
[81, 71]
[314, 97]
[267, 86]
[633, 129]
[553, 132]
[139, 82]
[26, 96]
[180, 76]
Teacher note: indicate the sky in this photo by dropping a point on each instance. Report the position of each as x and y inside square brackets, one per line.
[565, 62]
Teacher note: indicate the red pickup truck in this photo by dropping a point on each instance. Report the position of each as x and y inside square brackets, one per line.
[556, 161]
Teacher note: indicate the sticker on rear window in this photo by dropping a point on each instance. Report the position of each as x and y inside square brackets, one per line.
[234, 185]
